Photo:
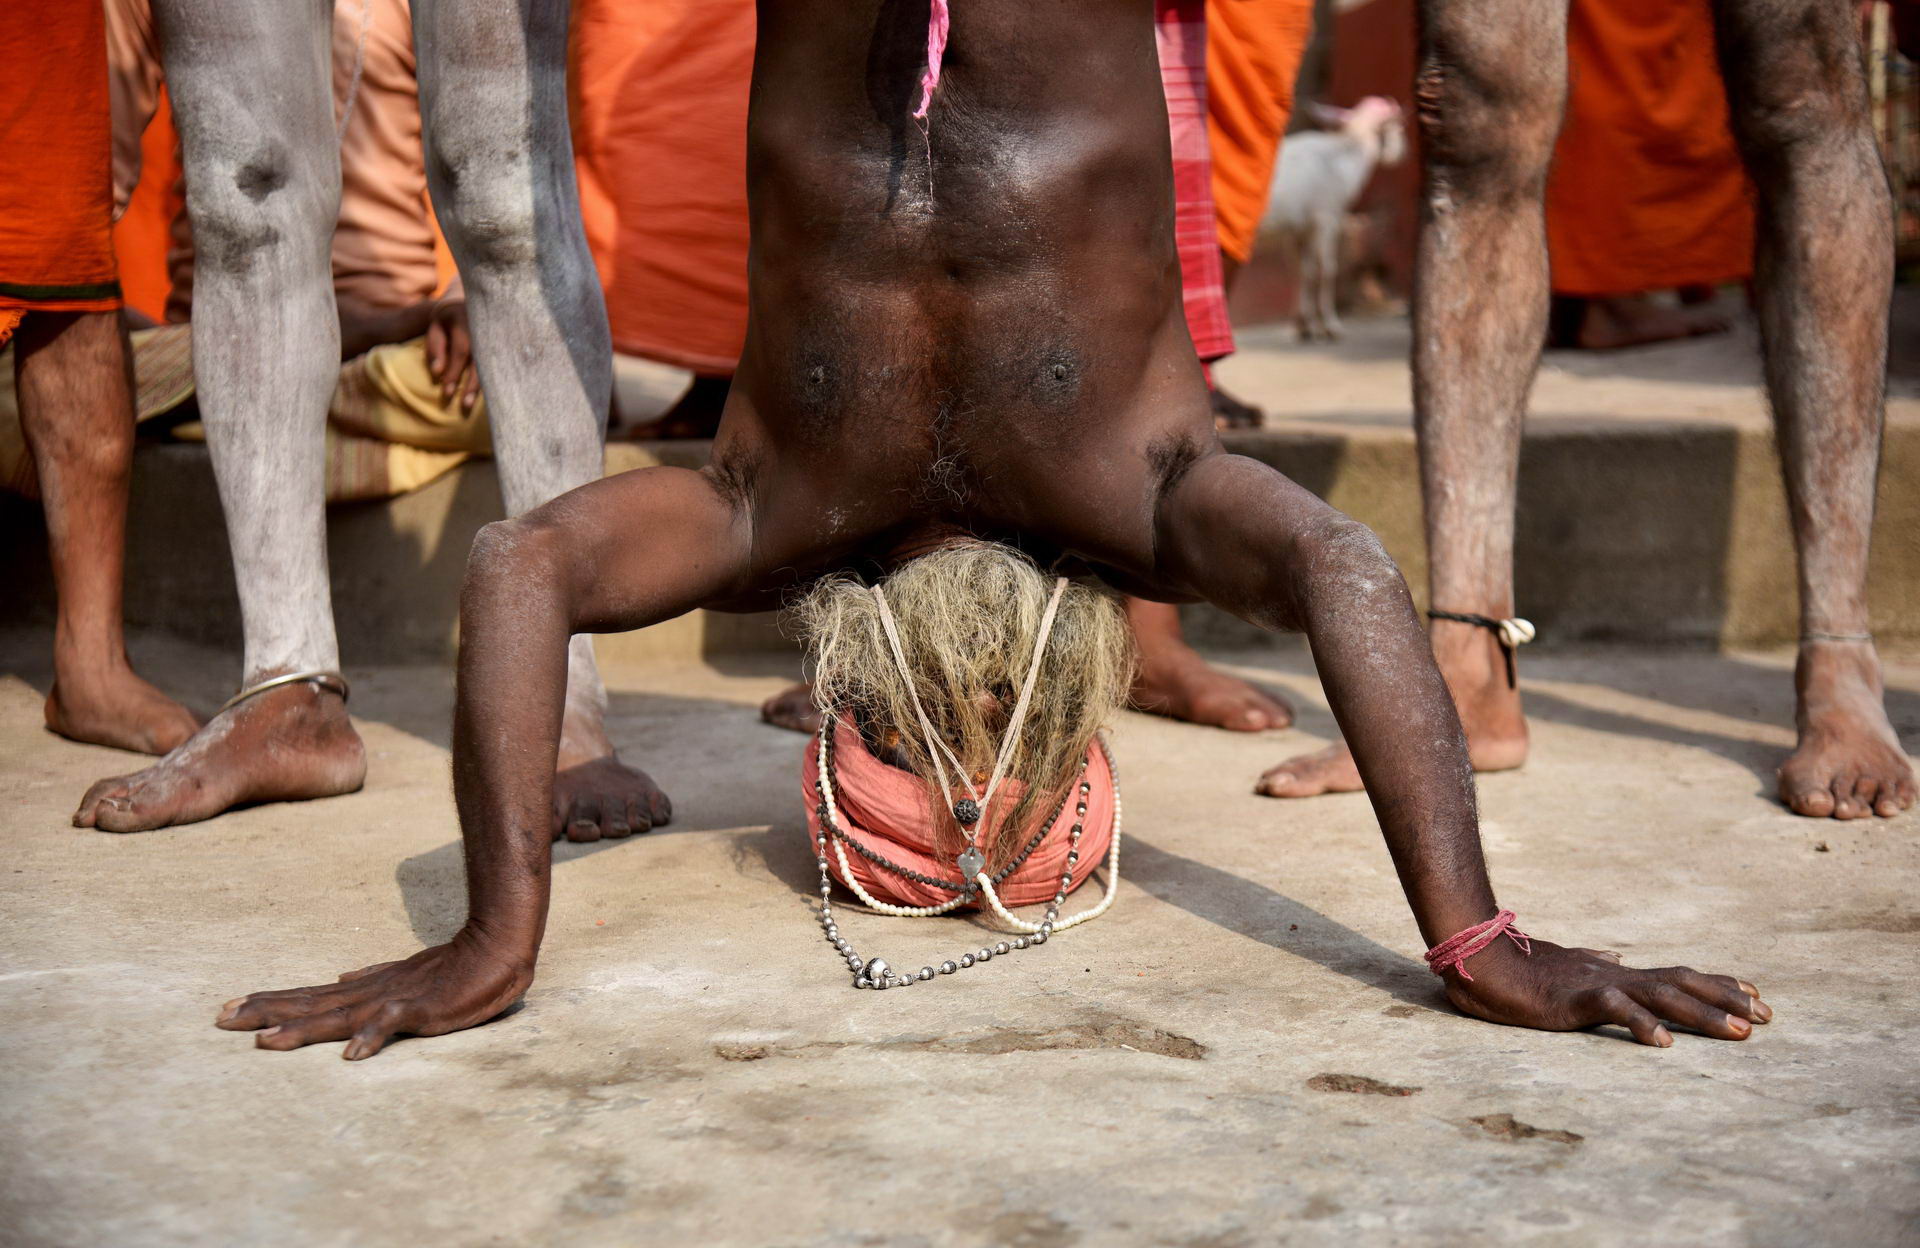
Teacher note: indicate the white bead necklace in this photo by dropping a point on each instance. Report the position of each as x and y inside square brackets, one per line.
[876, 973]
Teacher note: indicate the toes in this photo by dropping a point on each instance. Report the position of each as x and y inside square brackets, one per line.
[1803, 797]
[639, 818]
[102, 790]
[1845, 804]
[659, 807]
[1329, 771]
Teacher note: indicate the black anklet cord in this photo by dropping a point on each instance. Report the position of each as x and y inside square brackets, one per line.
[1491, 625]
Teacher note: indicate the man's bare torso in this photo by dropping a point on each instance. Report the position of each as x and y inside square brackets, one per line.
[962, 318]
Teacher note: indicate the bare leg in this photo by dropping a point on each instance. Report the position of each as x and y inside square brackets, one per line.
[1261, 547]
[1824, 274]
[493, 96]
[76, 411]
[1492, 86]
[251, 93]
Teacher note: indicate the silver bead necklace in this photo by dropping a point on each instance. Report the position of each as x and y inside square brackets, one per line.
[875, 972]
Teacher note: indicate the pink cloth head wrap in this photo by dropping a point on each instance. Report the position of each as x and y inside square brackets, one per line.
[885, 809]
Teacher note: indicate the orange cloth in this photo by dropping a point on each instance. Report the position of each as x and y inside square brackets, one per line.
[885, 809]
[56, 185]
[659, 110]
[1253, 56]
[1647, 191]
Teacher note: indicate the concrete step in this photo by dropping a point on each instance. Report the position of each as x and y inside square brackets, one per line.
[1630, 530]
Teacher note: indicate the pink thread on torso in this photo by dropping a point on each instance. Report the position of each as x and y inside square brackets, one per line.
[937, 21]
[1453, 952]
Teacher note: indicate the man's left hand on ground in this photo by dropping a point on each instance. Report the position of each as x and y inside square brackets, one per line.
[1559, 989]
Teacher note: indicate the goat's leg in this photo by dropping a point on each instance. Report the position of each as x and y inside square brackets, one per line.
[1329, 246]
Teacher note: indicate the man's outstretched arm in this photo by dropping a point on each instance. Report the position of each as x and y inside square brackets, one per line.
[622, 553]
[1261, 547]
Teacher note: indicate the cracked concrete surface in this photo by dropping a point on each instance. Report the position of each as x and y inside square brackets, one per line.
[1245, 1051]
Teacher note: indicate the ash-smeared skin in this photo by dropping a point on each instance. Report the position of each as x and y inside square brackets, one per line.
[253, 95]
[1824, 276]
[493, 114]
[71, 373]
[1491, 89]
[1048, 236]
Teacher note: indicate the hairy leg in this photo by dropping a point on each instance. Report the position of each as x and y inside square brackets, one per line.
[493, 99]
[252, 96]
[1492, 86]
[76, 412]
[1823, 274]
[1258, 545]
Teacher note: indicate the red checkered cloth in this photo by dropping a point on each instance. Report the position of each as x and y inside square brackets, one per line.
[1182, 33]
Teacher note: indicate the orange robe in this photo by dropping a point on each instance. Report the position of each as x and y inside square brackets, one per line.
[56, 161]
[1647, 191]
[659, 113]
[1253, 56]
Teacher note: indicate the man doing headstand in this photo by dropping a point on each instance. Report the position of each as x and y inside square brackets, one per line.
[970, 325]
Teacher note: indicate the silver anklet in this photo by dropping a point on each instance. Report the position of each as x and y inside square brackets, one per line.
[1820, 636]
[332, 682]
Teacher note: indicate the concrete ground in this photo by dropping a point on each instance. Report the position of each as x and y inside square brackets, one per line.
[692, 1067]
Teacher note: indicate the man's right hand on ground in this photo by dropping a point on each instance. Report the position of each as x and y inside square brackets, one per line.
[449, 987]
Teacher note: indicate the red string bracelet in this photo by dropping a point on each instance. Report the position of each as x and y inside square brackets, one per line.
[1453, 952]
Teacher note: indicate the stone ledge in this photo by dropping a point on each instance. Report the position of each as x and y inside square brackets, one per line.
[1669, 533]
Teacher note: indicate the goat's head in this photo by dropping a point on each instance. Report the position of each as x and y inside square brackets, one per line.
[1376, 122]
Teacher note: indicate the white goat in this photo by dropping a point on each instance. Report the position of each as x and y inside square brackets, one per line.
[1320, 176]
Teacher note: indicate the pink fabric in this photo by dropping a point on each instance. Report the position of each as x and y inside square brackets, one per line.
[885, 809]
[937, 21]
[1182, 33]
[1453, 952]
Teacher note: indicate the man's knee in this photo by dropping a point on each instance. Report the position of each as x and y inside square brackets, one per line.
[484, 198]
[250, 201]
[1793, 75]
[1490, 92]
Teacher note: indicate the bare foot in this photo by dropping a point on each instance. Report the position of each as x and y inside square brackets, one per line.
[1849, 763]
[1175, 681]
[594, 793]
[1637, 320]
[792, 708]
[286, 744]
[1476, 673]
[117, 708]
[1232, 412]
